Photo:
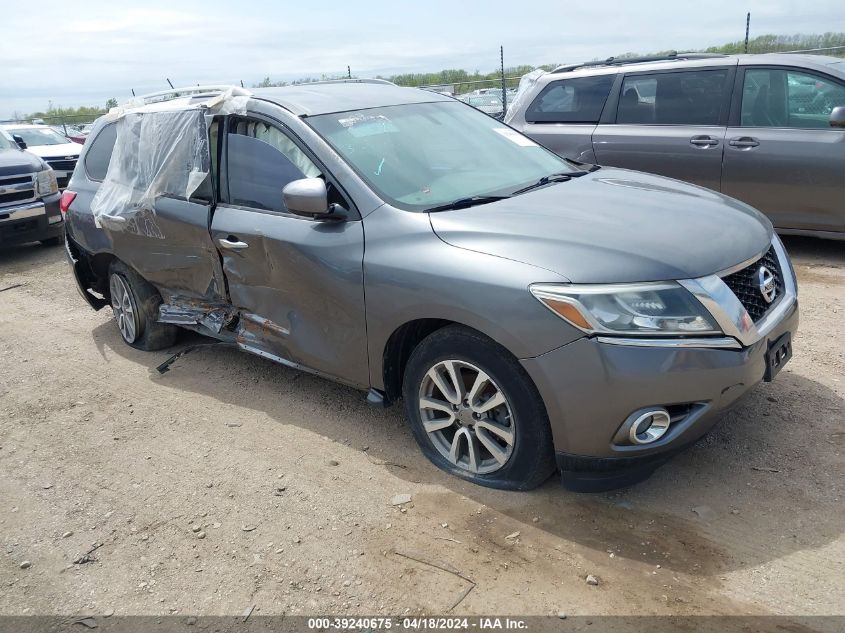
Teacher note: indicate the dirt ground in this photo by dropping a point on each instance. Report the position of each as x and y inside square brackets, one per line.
[231, 482]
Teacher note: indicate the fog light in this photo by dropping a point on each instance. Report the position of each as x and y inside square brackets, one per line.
[649, 427]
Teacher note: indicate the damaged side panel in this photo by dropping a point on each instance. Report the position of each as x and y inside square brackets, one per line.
[184, 264]
[304, 281]
[154, 205]
[185, 311]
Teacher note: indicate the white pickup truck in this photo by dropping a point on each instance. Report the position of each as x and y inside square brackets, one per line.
[57, 151]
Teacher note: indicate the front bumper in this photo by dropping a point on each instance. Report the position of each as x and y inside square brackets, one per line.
[31, 222]
[593, 387]
[590, 388]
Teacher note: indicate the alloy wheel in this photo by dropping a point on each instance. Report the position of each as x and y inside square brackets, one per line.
[467, 416]
[123, 305]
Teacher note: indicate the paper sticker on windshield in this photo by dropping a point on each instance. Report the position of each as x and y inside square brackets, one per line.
[362, 125]
[515, 137]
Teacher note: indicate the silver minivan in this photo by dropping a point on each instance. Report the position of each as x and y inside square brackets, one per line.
[766, 129]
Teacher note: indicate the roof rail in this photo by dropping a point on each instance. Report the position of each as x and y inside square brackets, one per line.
[176, 93]
[342, 80]
[622, 61]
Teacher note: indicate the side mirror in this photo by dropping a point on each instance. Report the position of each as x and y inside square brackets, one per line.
[837, 117]
[309, 198]
[22, 144]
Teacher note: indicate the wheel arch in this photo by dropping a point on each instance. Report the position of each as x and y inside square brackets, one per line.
[91, 271]
[400, 345]
[99, 265]
[398, 348]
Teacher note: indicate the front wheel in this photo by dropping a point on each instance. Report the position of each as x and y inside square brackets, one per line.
[475, 412]
[135, 305]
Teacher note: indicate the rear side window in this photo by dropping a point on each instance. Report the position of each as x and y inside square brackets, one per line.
[99, 154]
[684, 98]
[785, 98]
[578, 100]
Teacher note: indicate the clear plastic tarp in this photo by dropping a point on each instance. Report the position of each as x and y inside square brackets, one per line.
[526, 82]
[162, 149]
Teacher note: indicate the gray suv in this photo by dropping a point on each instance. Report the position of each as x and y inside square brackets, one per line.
[766, 129]
[531, 313]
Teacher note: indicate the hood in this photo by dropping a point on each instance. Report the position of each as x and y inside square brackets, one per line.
[17, 161]
[56, 151]
[613, 225]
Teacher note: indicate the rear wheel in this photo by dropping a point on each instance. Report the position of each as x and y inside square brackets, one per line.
[475, 412]
[135, 306]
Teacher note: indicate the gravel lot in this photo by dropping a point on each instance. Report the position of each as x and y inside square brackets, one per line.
[231, 482]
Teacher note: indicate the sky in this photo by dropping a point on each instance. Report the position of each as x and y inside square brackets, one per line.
[86, 51]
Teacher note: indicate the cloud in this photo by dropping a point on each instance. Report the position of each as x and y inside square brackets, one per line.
[87, 52]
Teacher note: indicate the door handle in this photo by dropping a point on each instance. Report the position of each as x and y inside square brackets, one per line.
[232, 243]
[113, 219]
[744, 142]
[704, 141]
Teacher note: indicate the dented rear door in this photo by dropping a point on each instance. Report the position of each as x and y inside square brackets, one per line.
[142, 207]
[172, 249]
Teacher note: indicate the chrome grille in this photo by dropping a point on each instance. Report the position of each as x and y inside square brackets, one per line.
[61, 164]
[16, 189]
[746, 286]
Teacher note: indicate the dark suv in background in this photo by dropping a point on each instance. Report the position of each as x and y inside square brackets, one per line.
[29, 197]
[766, 129]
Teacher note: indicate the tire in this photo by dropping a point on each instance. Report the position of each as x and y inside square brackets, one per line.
[522, 456]
[135, 306]
[53, 241]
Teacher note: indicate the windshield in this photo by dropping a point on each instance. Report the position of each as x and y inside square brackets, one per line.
[485, 100]
[422, 155]
[35, 136]
[6, 141]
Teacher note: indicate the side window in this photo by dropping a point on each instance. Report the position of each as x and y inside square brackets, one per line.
[205, 192]
[99, 154]
[683, 98]
[214, 144]
[786, 98]
[261, 161]
[577, 100]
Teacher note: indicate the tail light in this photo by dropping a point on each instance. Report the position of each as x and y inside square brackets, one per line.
[66, 200]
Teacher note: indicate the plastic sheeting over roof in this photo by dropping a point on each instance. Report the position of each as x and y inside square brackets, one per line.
[161, 149]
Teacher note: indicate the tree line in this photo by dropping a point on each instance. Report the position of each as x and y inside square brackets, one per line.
[760, 44]
[464, 81]
[70, 116]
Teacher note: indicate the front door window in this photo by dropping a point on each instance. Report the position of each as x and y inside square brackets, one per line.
[262, 160]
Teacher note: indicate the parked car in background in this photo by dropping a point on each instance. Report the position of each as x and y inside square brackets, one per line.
[79, 133]
[488, 103]
[528, 311]
[57, 150]
[766, 129]
[29, 197]
[63, 131]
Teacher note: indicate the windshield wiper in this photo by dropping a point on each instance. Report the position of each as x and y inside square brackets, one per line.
[545, 180]
[464, 203]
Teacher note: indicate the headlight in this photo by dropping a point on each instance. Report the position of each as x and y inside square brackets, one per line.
[45, 183]
[646, 309]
